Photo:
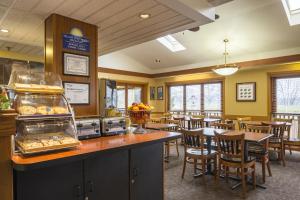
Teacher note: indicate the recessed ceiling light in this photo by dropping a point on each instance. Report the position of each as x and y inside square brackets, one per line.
[171, 43]
[4, 30]
[144, 15]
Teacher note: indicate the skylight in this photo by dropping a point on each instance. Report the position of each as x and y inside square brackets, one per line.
[294, 5]
[171, 43]
[292, 10]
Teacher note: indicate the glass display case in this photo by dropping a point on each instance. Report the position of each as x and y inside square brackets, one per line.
[45, 120]
[42, 135]
[36, 82]
[33, 104]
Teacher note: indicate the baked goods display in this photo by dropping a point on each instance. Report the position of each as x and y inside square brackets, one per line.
[45, 110]
[27, 110]
[60, 110]
[46, 142]
[36, 88]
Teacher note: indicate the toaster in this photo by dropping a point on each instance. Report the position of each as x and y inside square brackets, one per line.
[88, 128]
[113, 126]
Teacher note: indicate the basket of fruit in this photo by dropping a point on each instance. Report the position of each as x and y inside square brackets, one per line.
[139, 114]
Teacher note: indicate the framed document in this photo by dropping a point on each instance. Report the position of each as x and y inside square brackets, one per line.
[77, 93]
[246, 91]
[77, 65]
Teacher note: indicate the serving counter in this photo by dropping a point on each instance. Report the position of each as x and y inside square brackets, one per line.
[119, 167]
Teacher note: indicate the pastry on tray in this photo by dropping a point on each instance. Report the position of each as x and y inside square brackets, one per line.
[60, 110]
[45, 110]
[27, 110]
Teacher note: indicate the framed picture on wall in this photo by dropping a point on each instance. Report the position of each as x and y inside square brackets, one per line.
[160, 93]
[77, 65]
[77, 93]
[152, 93]
[246, 92]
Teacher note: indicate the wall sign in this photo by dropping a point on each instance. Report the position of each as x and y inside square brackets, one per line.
[76, 43]
[77, 93]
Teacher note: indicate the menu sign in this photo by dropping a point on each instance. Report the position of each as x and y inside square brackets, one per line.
[76, 43]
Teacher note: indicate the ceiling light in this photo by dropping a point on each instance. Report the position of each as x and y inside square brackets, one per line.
[171, 43]
[226, 70]
[4, 30]
[145, 15]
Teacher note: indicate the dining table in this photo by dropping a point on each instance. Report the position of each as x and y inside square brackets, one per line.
[160, 126]
[270, 123]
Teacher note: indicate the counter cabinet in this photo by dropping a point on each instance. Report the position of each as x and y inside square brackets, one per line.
[124, 174]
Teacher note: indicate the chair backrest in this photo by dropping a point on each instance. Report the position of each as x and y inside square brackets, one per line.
[241, 121]
[197, 123]
[198, 116]
[156, 120]
[193, 139]
[258, 128]
[172, 121]
[181, 120]
[225, 126]
[231, 147]
[277, 130]
[287, 127]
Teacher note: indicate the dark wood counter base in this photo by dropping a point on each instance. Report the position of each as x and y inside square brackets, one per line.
[127, 167]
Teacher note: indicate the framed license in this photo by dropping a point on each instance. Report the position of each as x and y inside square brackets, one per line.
[77, 93]
[160, 93]
[152, 93]
[77, 65]
[246, 91]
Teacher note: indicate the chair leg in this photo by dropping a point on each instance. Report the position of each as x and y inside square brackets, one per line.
[263, 166]
[226, 174]
[269, 168]
[184, 165]
[254, 176]
[195, 166]
[215, 168]
[244, 190]
[290, 149]
[176, 143]
[283, 157]
[203, 163]
[219, 172]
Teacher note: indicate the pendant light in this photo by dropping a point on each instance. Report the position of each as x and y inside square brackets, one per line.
[226, 70]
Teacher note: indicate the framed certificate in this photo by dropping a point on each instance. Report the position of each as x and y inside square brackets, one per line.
[77, 65]
[77, 93]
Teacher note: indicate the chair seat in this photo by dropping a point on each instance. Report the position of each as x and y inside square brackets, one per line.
[257, 149]
[198, 152]
[275, 140]
[238, 160]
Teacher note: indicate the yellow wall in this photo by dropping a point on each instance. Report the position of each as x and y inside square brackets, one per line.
[259, 75]
[19, 56]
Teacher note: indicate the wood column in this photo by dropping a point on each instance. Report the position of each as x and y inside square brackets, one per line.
[7, 129]
[57, 25]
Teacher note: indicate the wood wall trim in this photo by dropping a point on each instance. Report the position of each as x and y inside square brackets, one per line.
[123, 72]
[197, 81]
[251, 63]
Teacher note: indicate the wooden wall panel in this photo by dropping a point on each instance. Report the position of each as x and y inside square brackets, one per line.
[55, 27]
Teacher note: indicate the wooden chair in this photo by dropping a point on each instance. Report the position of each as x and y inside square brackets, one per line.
[231, 150]
[287, 129]
[155, 120]
[168, 144]
[241, 122]
[197, 123]
[260, 151]
[194, 151]
[181, 121]
[277, 140]
[226, 126]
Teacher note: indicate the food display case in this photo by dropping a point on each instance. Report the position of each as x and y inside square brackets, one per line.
[45, 120]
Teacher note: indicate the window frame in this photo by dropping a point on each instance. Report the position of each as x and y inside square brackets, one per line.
[201, 83]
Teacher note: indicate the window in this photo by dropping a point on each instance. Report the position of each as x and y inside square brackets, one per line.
[171, 43]
[196, 97]
[176, 98]
[212, 96]
[128, 94]
[286, 95]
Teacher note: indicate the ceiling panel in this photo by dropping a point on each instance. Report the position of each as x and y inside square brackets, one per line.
[118, 20]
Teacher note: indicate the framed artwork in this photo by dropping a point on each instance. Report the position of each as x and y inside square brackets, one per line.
[246, 92]
[77, 93]
[160, 93]
[152, 93]
[77, 65]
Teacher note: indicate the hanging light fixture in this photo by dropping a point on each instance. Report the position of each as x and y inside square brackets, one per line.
[226, 70]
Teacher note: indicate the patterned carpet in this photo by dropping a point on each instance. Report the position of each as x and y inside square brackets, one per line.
[283, 185]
